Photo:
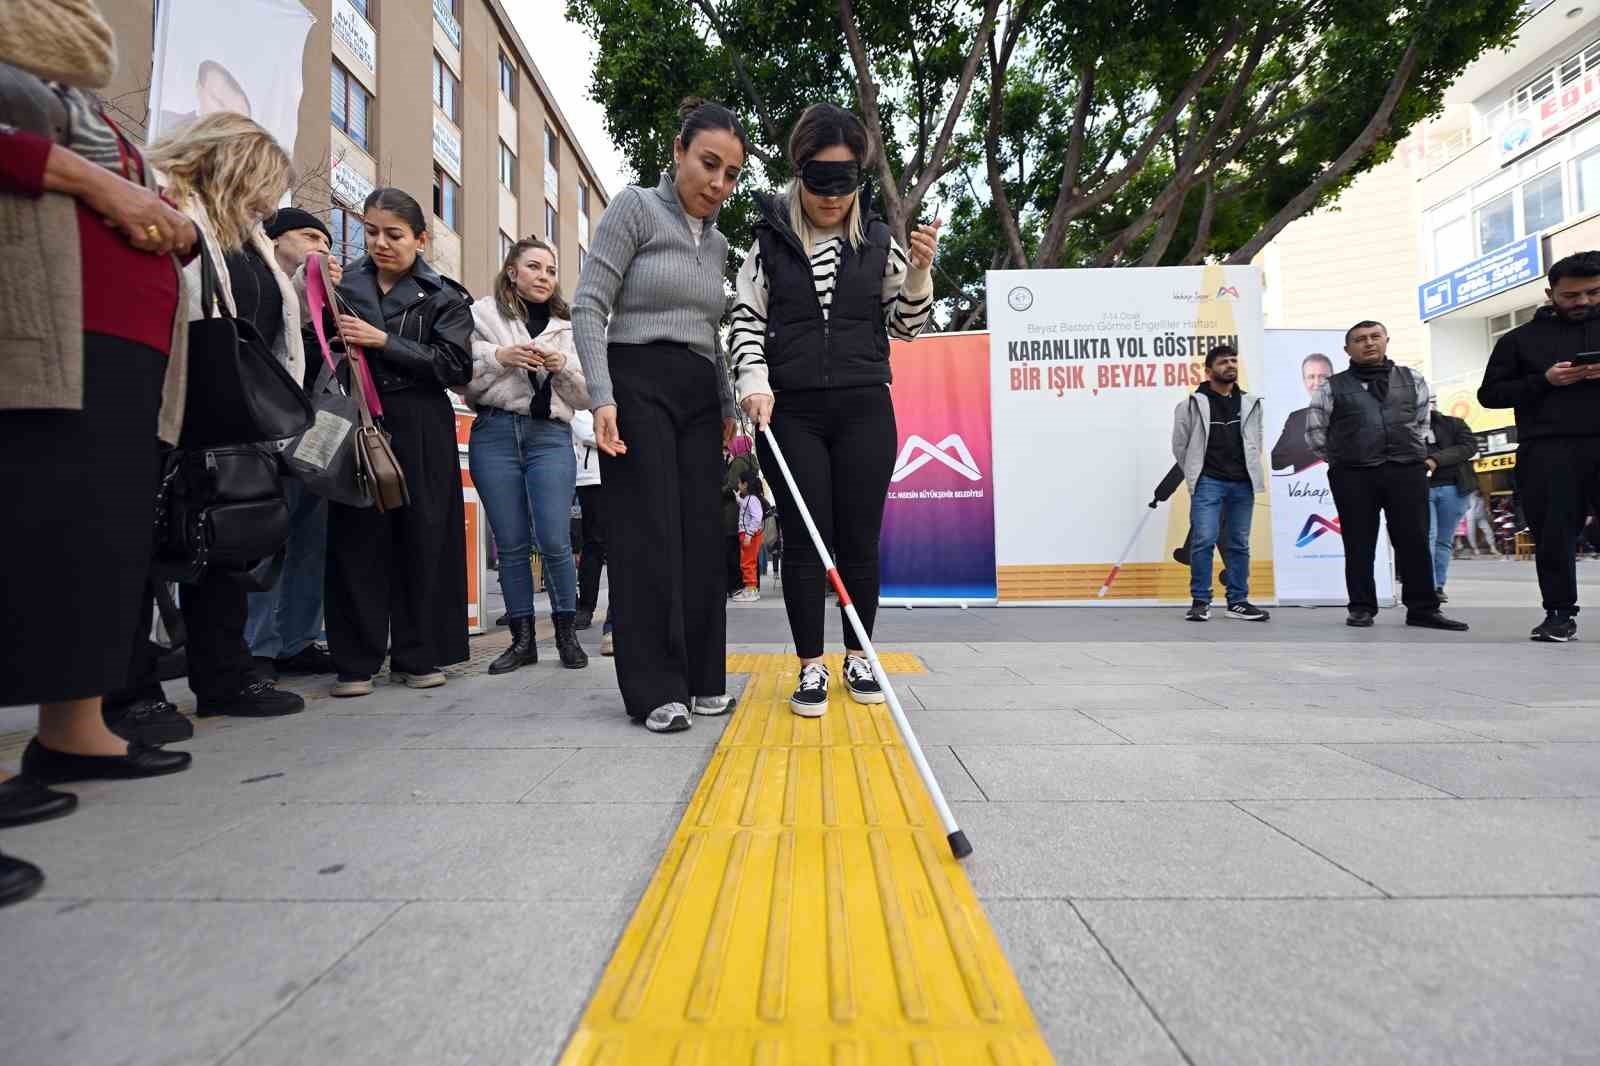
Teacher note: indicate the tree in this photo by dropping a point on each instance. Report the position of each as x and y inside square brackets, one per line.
[1058, 132]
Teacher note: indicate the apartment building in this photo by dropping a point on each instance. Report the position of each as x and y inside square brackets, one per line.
[438, 97]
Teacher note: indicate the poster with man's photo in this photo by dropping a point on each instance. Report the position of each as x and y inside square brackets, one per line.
[243, 56]
[1308, 548]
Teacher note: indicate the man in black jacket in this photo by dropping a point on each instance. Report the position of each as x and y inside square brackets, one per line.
[1451, 448]
[1370, 424]
[1537, 369]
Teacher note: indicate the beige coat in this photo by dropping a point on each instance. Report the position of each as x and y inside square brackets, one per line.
[41, 282]
[510, 388]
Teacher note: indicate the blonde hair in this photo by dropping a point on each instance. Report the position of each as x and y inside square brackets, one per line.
[223, 161]
[802, 227]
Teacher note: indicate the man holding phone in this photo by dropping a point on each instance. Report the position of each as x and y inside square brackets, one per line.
[1548, 369]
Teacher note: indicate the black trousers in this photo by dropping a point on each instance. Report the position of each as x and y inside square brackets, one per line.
[1400, 492]
[592, 549]
[663, 504]
[733, 575]
[1559, 478]
[214, 613]
[398, 581]
[840, 444]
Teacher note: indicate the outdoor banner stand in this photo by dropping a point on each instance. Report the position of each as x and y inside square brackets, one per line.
[959, 846]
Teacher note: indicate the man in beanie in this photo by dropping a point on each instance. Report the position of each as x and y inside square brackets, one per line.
[286, 620]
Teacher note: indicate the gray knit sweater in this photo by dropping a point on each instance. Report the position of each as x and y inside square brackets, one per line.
[646, 280]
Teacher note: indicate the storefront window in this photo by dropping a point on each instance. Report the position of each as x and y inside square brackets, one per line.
[1452, 244]
[1497, 224]
[1541, 202]
[1588, 170]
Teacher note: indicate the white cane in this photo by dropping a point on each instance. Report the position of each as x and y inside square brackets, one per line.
[957, 839]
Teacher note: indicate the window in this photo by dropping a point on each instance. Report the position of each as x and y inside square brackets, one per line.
[1452, 244]
[552, 165]
[363, 6]
[552, 226]
[351, 103]
[1500, 325]
[1588, 173]
[583, 214]
[508, 167]
[1496, 223]
[508, 78]
[1541, 202]
[349, 236]
[446, 198]
[446, 90]
[505, 245]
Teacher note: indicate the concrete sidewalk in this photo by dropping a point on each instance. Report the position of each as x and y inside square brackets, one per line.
[1208, 844]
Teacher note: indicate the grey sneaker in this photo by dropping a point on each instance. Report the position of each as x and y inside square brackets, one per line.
[668, 718]
[712, 705]
[431, 679]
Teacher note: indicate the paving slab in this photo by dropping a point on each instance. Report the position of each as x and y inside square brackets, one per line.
[623, 775]
[449, 982]
[161, 984]
[1304, 725]
[1365, 983]
[1015, 727]
[1143, 850]
[1452, 847]
[1510, 770]
[587, 730]
[1179, 772]
[1052, 697]
[1087, 1009]
[1576, 723]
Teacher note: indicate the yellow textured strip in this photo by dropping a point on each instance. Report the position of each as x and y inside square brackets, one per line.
[807, 911]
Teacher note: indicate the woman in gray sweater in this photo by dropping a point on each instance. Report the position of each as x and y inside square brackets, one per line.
[645, 320]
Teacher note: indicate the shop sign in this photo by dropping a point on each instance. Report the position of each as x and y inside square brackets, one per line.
[1566, 107]
[446, 18]
[447, 145]
[1490, 463]
[1502, 269]
[350, 186]
[355, 33]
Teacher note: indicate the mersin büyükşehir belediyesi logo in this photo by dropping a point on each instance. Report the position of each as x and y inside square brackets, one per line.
[918, 453]
[1315, 527]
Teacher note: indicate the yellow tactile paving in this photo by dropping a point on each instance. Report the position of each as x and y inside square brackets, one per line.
[808, 911]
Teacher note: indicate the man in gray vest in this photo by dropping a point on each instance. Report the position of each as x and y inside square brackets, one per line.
[1370, 424]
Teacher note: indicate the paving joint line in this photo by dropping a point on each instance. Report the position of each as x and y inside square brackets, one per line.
[1127, 977]
[1296, 840]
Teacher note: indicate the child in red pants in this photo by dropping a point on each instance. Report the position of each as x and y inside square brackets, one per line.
[751, 515]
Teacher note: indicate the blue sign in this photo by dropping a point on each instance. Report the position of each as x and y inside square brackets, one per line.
[1504, 268]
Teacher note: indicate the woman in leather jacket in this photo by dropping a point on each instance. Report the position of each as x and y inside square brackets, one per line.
[398, 579]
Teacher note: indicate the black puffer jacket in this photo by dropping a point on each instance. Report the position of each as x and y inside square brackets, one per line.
[428, 318]
[1515, 377]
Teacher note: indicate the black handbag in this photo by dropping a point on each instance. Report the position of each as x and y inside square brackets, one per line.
[220, 509]
[237, 391]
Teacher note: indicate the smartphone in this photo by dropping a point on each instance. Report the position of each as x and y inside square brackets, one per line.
[1585, 359]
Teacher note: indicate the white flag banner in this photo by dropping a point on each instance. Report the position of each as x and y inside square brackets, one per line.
[242, 55]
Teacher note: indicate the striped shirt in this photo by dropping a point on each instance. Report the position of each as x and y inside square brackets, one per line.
[907, 304]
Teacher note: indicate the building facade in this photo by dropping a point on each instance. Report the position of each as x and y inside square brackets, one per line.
[437, 97]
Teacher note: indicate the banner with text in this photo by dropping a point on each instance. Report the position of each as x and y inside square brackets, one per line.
[242, 56]
[1308, 548]
[938, 526]
[1086, 368]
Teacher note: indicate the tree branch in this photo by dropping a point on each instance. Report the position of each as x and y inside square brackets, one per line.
[867, 92]
[1202, 234]
[969, 70]
[991, 152]
[1369, 136]
[774, 135]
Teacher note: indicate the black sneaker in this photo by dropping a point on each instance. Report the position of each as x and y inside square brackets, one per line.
[1558, 627]
[584, 620]
[153, 722]
[1199, 611]
[1359, 619]
[311, 659]
[1246, 612]
[259, 699]
[859, 682]
[810, 699]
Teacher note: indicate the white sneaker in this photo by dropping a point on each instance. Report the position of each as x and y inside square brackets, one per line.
[810, 699]
[432, 679]
[347, 687]
[712, 705]
[668, 718]
[745, 595]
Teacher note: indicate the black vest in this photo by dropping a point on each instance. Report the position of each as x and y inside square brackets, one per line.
[805, 351]
[1364, 432]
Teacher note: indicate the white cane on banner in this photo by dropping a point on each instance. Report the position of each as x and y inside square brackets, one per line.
[959, 846]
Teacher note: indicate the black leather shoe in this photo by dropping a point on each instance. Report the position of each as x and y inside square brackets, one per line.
[18, 880]
[24, 801]
[152, 722]
[573, 657]
[54, 767]
[259, 699]
[1359, 619]
[1435, 620]
[523, 651]
[584, 620]
[310, 659]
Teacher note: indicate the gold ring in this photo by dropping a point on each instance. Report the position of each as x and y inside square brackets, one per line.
[153, 232]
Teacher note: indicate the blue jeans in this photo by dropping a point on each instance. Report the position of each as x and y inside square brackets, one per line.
[525, 466]
[1215, 501]
[287, 618]
[1446, 506]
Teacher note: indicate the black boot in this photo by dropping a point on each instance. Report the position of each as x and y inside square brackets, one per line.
[572, 654]
[522, 652]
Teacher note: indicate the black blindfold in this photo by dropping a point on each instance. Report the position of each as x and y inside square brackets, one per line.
[831, 179]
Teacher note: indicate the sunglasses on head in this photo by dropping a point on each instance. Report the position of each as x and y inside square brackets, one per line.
[831, 178]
